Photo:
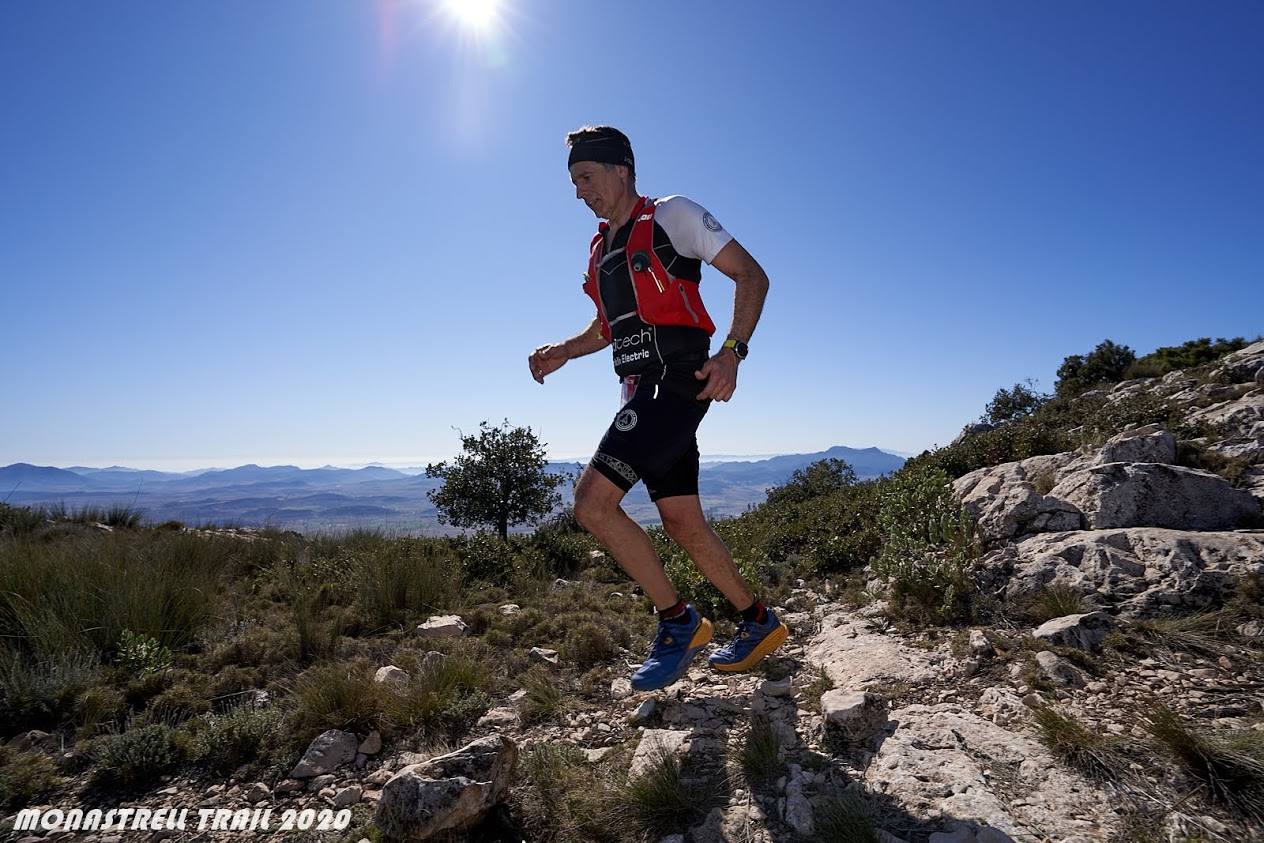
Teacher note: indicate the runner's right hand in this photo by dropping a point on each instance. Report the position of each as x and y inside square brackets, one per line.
[546, 360]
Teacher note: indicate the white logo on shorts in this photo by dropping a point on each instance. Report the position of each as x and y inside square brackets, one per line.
[626, 420]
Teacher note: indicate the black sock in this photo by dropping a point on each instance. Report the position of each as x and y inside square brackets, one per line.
[756, 612]
[674, 614]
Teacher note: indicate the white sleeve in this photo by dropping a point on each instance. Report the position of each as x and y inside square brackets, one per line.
[694, 233]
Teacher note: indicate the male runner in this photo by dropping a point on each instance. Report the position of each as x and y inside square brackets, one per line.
[643, 271]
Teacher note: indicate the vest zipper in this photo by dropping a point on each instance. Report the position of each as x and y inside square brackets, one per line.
[685, 299]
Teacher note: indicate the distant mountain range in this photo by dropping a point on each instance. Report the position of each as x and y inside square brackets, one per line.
[329, 498]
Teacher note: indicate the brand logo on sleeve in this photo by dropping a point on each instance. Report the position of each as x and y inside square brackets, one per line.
[710, 222]
[626, 420]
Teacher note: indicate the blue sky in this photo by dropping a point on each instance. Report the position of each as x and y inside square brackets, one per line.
[295, 232]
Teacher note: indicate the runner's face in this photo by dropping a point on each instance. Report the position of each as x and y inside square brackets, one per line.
[600, 187]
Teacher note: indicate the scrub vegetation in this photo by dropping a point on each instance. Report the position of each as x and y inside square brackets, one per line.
[151, 650]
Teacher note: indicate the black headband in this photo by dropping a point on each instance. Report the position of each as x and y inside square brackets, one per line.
[607, 150]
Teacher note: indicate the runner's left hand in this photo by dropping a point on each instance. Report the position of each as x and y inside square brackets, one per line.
[720, 373]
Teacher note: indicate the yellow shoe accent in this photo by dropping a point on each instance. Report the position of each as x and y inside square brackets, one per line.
[771, 642]
[701, 636]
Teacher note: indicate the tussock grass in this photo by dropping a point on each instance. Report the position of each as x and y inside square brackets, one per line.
[1055, 601]
[844, 818]
[760, 756]
[1073, 743]
[560, 799]
[544, 698]
[81, 593]
[1230, 764]
[1201, 632]
[656, 802]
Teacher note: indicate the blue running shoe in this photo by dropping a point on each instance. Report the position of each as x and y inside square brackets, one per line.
[752, 642]
[673, 649]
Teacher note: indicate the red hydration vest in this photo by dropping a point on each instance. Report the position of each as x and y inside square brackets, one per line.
[660, 298]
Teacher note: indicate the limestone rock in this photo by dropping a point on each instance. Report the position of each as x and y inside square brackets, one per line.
[1058, 670]
[543, 654]
[979, 644]
[33, 741]
[1005, 502]
[643, 713]
[510, 609]
[346, 797]
[499, 718]
[656, 744]
[1139, 570]
[855, 655]
[936, 762]
[852, 717]
[325, 754]
[449, 792]
[1084, 631]
[1241, 366]
[775, 687]
[371, 745]
[1151, 443]
[1155, 495]
[442, 626]
[392, 677]
[620, 688]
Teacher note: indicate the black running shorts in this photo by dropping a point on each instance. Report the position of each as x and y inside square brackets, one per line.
[654, 438]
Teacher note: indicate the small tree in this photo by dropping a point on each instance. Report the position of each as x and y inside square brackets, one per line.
[1011, 404]
[1104, 364]
[819, 478]
[499, 479]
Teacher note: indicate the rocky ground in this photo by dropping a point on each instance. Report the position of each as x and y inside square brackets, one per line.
[936, 734]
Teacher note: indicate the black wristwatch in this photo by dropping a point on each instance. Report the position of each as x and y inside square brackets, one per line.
[739, 348]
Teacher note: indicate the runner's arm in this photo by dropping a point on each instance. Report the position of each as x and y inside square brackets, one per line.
[549, 358]
[587, 341]
[752, 287]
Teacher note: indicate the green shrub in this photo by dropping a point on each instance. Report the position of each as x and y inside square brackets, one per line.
[822, 477]
[929, 549]
[1104, 364]
[222, 743]
[141, 654]
[129, 761]
[1187, 355]
[40, 694]
[1018, 402]
[25, 778]
[563, 544]
[587, 644]
[485, 558]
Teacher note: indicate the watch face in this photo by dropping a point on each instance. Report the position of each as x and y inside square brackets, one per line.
[740, 349]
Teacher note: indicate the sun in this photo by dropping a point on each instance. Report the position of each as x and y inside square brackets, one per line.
[477, 15]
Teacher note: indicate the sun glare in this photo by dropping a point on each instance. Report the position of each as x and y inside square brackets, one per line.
[477, 15]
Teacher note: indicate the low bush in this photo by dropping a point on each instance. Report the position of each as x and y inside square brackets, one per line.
[929, 549]
[127, 762]
[246, 734]
[25, 778]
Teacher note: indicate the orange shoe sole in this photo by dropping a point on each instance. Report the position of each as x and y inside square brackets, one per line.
[773, 640]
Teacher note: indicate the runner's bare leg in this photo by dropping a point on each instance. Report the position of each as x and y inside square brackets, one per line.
[597, 510]
[687, 525]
